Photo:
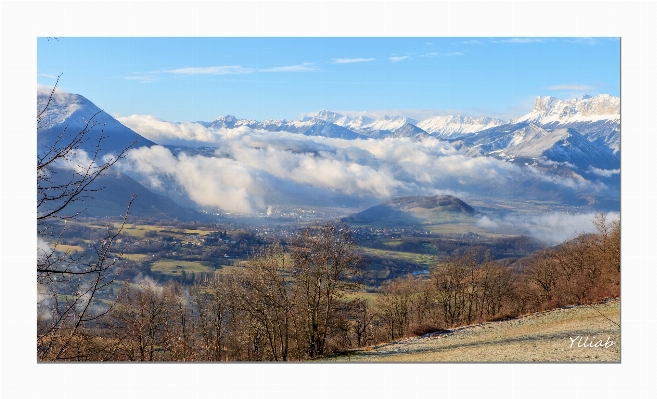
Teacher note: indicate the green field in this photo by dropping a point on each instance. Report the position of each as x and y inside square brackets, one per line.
[138, 230]
[420, 259]
[135, 257]
[69, 248]
[462, 228]
[175, 267]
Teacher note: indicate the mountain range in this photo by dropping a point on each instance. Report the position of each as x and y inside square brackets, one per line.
[582, 132]
[578, 139]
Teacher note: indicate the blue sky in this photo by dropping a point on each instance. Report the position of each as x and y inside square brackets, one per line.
[192, 79]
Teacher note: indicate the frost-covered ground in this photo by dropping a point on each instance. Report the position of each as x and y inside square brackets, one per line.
[574, 334]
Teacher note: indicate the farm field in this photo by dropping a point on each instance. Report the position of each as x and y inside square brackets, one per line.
[426, 260]
[68, 248]
[135, 257]
[463, 228]
[139, 230]
[176, 267]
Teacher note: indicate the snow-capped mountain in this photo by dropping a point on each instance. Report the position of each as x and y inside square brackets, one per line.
[576, 141]
[409, 130]
[318, 127]
[378, 128]
[356, 123]
[549, 109]
[559, 145]
[390, 123]
[456, 126]
[328, 116]
[231, 122]
[68, 114]
[529, 141]
[597, 118]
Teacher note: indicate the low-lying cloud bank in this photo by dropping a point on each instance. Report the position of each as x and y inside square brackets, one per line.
[249, 167]
[551, 228]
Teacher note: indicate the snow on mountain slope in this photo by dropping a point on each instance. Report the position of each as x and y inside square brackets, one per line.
[231, 122]
[527, 140]
[355, 124]
[586, 109]
[68, 114]
[455, 126]
[597, 118]
[390, 123]
[328, 116]
[409, 130]
[71, 109]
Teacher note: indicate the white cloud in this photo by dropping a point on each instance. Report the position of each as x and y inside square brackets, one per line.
[351, 60]
[144, 77]
[572, 87]
[43, 248]
[434, 54]
[398, 58]
[551, 228]
[215, 70]
[153, 76]
[163, 132]
[583, 40]
[210, 182]
[522, 40]
[249, 167]
[604, 172]
[472, 42]
[306, 66]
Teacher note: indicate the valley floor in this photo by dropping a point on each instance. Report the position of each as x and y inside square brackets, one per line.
[550, 336]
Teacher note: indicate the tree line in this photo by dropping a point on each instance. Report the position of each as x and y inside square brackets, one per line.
[302, 301]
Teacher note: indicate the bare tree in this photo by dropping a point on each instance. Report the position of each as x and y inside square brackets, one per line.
[215, 308]
[325, 261]
[68, 283]
[268, 295]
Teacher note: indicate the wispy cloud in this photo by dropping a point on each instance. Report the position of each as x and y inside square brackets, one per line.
[145, 77]
[397, 58]
[583, 40]
[551, 228]
[572, 87]
[434, 54]
[472, 42]
[604, 172]
[521, 40]
[214, 70]
[153, 76]
[306, 66]
[350, 60]
[47, 75]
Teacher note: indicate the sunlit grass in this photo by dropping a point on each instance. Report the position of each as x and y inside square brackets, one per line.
[135, 257]
[420, 259]
[69, 248]
[175, 267]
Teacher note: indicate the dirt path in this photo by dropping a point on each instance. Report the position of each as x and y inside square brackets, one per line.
[541, 337]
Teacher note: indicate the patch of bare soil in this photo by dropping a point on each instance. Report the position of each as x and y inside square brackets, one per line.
[573, 334]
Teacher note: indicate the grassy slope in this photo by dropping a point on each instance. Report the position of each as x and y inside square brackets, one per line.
[540, 337]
